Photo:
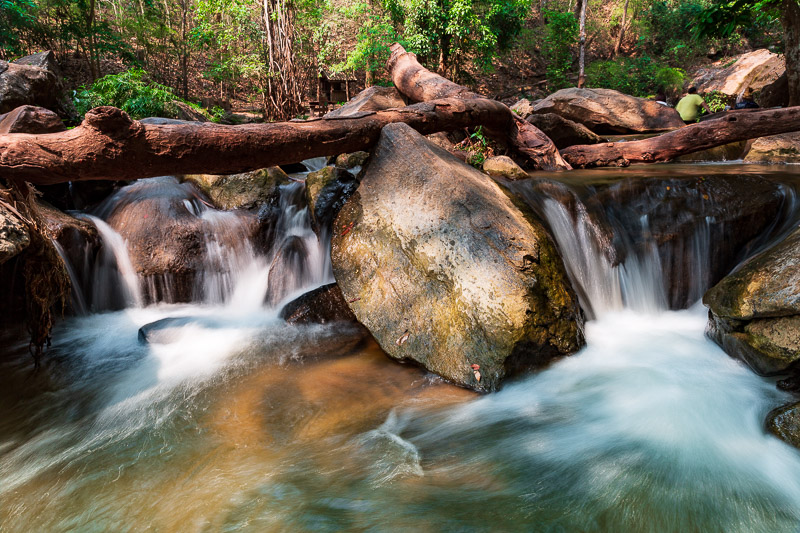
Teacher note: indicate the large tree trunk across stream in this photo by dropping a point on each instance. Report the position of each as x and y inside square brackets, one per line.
[422, 85]
[732, 127]
[109, 145]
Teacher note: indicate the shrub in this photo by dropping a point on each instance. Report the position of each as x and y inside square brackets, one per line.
[560, 37]
[638, 76]
[131, 92]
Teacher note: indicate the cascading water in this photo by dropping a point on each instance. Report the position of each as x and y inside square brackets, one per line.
[238, 422]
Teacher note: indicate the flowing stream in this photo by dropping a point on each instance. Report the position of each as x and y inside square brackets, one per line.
[232, 420]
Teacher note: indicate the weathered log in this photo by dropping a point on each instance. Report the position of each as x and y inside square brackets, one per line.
[422, 85]
[730, 128]
[109, 145]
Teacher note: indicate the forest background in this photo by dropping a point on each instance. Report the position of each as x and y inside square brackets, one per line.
[266, 55]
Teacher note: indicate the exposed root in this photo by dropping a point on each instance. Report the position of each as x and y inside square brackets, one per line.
[47, 284]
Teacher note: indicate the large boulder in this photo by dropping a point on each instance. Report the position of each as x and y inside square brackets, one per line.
[755, 70]
[783, 148]
[755, 312]
[30, 119]
[239, 191]
[32, 80]
[14, 236]
[373, 98]
[609, 111]
[563, 132]
[444, 270]
[776, 94]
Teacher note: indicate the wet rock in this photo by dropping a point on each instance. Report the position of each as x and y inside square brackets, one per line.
[320, 306]
[70, 232]
[504, 166]
[373, 98]
[563, 132]
[30, 119]
[158, 219]
[354, 160]
[523, 108]
[755, 70]
[783, 148]
[755, 312]
[22, 84]
[609, 111]
[14, 236]
[326, 192]
[784, 423]
[240, 191]
[441, 267]
[288, 270]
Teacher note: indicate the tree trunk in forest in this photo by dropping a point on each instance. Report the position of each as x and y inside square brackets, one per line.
[791, 25]
[94, 59]
[621, 34]
[582, 45]
[421, 85]
[109, 145]
[283, 92]
[732, 127]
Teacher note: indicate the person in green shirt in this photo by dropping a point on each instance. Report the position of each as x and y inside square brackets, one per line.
[689, 106]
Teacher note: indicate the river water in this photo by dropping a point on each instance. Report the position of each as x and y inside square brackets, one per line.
[236, 421]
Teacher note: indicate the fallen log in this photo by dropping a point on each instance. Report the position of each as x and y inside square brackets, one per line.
[422, 85]
[693, 138]
[109, 145]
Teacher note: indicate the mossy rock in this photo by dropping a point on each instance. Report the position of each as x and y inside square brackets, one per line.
[437, 262]
[238, 191]
[784, 423]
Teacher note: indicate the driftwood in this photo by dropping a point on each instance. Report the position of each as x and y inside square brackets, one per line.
[109, 145]
[730, 128]
[422, 85]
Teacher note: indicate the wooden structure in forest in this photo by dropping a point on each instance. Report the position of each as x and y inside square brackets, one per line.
[335, 87]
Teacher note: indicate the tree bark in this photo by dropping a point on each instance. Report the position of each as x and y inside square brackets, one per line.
[421, 85]
[732, 127]
[621, 34]
[582, 45]
[791, 25]
[109, 145]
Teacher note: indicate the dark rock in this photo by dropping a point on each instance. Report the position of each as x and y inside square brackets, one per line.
[320, 306]
[28, 85]
[441, 267]
[327, 190]
[784, 423]
[563, 132]
[776, 94]
[30, 119]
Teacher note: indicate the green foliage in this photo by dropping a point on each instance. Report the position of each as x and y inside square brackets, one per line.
[17, 17]
[478, 146]
[560, 38]
[448, 32]
[717, 101]
[667, 31]
[722, 19]
[638, 76]
[131, 92]
[374, 35]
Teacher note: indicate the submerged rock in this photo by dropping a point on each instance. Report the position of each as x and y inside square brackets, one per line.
[320, 306]
[326, 192]
[755, 312]
[444, 270]
[783, 148]
[609, 111]
[237, 191]
[563, 132]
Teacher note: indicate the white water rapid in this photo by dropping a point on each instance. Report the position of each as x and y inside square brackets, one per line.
[232, 420]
